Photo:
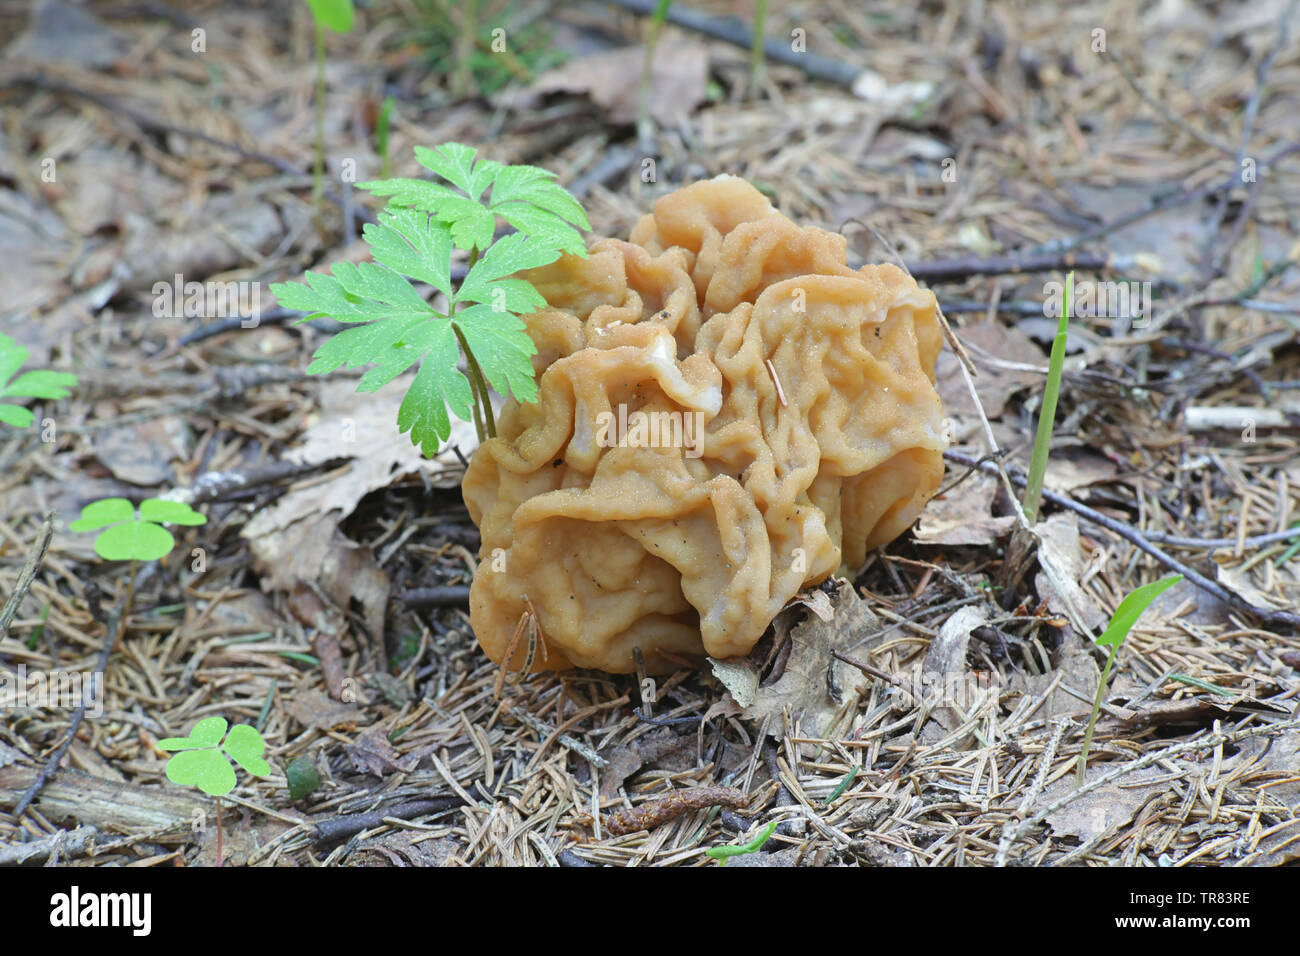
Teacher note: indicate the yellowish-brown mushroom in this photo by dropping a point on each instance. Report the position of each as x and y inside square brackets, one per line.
[727, 414]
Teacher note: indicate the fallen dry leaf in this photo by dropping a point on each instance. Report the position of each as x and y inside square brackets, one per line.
[1061, 560]
[945, 666]
[64, 33]
[740, 676]
[316, 710]
[1242, 584]
[1280, 846]
[1078, 672]
[1102, 809]
[142, 454]
[815, 684]
[998, 353]
[679, 82]
[964, 516]
[1066, 472]
[363, 427]
[817, 601]
[372, 753]
[660, 749]
[405, 848]
[315, 550]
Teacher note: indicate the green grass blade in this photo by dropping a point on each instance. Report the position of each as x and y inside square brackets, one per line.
[1047, 413]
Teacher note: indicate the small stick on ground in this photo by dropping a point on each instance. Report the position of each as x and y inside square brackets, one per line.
[27, 574]
[1137, 538]
[111, 633]
[941, 270]
[349, 825]
[446, 595]
[61, 843]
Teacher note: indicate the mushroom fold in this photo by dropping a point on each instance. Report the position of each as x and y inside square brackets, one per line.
[727, 414]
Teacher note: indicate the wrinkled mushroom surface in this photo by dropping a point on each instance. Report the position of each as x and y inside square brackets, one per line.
[727, 414]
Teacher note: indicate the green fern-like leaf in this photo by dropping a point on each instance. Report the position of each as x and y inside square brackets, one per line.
[394, 328]
[527, 197]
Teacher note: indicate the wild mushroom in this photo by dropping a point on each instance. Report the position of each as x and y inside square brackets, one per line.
[728, 414]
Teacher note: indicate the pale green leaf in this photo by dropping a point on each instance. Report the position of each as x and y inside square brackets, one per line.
[507, 256]
[529, 184]
[208, 770]
[502, 347]
[12, 357]
[409, 242]
[438, 385]
[416, 193]
[401, 356]
[16, 415]
[540, 225]
[369, 280]
[336, 15]
[507, 295]
[361, 346]
[41, 384]
[134, 541]
[99, 514]
[246, 746]
[454, 162]
[1131, 608]
[208, 731]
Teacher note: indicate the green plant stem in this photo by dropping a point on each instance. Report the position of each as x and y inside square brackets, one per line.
[756, 49]
[644, 124]
[1096, 710]
[130, 592]
[486, 424]
[318, 168]
[1047, 413]
[463, 78]
[381, 135]
[219, 832]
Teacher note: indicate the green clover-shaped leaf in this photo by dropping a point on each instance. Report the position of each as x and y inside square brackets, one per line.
[206, 733]
[131, 536]
[246, 746]
[202, 761]
[208, 770]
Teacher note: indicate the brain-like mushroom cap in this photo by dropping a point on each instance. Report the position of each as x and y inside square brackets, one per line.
[727, 414]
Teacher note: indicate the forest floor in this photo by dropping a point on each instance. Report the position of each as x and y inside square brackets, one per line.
[991, 146]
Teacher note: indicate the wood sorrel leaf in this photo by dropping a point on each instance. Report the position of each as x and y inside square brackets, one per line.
[208, 770]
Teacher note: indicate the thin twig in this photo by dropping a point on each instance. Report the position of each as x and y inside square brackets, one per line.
[941, 270]
[1164, 111]
[60, 843]
[349, 825]
[111, 630]
[564, 740]
[1254, 541]
[1137, 538]
[1163, 201]
[1221, 250]
[446, 595]
[731, 30]
[27, 574]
